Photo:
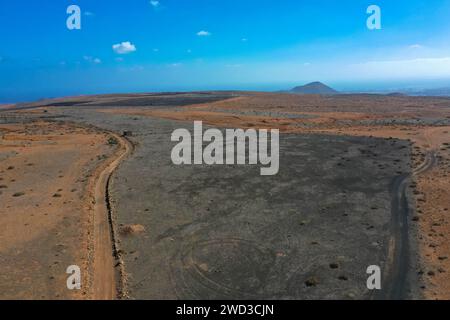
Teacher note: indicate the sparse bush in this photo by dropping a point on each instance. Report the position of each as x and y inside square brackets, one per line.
[112, 141]
[131, 229]
[312, 282]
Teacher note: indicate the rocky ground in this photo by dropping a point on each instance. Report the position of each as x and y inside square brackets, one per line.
[200, 232]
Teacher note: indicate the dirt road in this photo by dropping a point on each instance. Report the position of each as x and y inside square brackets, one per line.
[105, 274]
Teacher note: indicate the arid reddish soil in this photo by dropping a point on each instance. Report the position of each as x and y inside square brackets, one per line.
[46, 216]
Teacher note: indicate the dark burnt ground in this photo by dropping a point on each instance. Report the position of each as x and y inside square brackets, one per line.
[225, 232]
[131, 100]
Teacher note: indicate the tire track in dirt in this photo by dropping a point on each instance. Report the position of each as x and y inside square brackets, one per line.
[395, 285]
[107, 281]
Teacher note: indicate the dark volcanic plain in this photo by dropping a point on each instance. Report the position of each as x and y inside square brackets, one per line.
[225, 232]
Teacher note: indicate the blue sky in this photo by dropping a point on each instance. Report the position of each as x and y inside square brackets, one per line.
[217, 44]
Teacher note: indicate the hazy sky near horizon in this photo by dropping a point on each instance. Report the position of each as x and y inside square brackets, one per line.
[169, 45]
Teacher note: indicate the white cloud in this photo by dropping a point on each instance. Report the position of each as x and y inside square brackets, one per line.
[119, 59]
[156, 50]
[124, 47]
[415, 46]
[203, 33]
[155, 3]
[89, 14]
[92, 59]
[244, 39]
[189, 51]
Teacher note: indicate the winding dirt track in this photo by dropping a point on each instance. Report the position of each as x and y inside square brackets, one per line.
[105, 276]
[397, 267]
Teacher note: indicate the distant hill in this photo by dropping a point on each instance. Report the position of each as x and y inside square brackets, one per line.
[408, 92]
[438, 92]
[396, 94]
[314, 88]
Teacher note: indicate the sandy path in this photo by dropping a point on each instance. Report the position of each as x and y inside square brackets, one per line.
[104, 268]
